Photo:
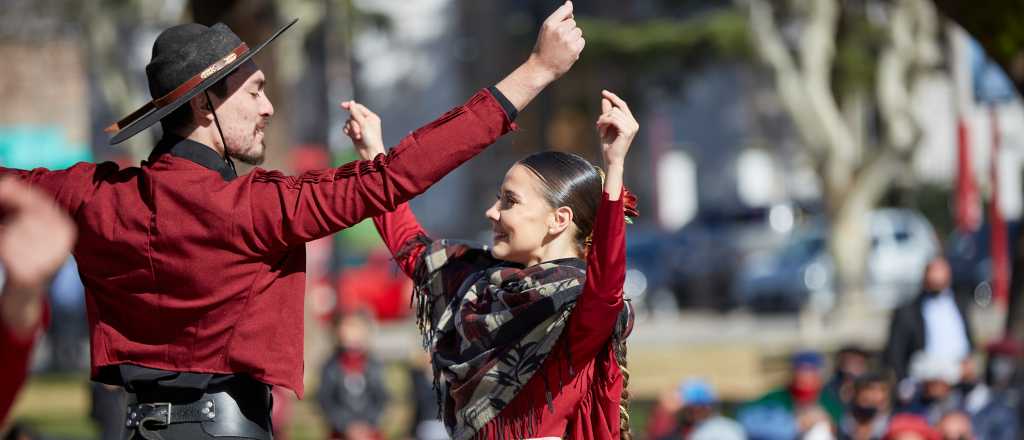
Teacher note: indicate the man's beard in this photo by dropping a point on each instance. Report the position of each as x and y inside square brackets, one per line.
[251, 157]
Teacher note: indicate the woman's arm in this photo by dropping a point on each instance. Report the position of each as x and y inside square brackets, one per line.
[399, 229]
[598, 307]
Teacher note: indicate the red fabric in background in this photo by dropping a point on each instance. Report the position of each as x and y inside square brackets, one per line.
[968, 201]
[376, 286]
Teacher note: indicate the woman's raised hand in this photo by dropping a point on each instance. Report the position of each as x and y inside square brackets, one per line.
[364, 128]
[616, 127]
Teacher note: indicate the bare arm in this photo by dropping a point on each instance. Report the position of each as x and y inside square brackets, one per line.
[558, 46]
[617, 127]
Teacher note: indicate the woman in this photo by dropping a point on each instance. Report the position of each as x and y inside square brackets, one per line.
[527, 339]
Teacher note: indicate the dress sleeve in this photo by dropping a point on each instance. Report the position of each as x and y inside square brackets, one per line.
[291, 210]
[598, 307]
[402, 234]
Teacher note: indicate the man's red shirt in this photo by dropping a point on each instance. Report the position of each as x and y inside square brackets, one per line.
[186, 271]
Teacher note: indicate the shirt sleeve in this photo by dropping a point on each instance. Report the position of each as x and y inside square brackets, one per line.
[70, 187]
[290, 210]
[401, 231]
[598, 307]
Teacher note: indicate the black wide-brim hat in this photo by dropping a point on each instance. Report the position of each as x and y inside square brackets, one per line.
[187, 59]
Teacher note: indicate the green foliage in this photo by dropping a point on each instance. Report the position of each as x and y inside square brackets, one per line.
[718, 34]
[857, 48]
[997, 24]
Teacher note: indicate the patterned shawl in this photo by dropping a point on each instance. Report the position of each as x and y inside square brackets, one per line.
[489, 325]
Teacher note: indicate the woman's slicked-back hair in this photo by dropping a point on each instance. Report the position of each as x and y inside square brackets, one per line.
[571, 181]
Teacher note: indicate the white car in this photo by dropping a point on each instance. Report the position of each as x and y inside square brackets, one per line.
[802, 272]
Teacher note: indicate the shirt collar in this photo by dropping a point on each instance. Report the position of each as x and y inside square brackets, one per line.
[197, 153]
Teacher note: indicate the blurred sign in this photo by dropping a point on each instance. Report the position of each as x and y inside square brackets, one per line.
[677, 189]
[756, 181]
[29, 146]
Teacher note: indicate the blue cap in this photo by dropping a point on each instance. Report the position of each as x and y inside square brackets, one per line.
[697, 392]
[808, 359]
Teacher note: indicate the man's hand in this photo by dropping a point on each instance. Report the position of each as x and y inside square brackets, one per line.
[558, 47]
[364, 128]
[35, 239]
[559, 43]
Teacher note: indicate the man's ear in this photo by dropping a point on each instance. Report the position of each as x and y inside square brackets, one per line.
[561, 219]
[201, 115]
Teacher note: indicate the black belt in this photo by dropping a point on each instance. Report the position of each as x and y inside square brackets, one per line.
[216, 414]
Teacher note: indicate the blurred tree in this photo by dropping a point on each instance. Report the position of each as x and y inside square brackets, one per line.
[837, 65]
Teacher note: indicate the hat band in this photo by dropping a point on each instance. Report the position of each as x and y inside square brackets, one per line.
[195, 80]
[181, 90]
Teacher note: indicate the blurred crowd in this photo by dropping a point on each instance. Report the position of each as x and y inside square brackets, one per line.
[929, 383]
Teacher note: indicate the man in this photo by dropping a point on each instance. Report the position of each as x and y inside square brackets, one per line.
[851, 362]
[776, 414]
[691, 413]
[995, 405]
[353, 392]
[934, 376]
[194, 275]
[35, 239]
[936, 322]
[869, 409]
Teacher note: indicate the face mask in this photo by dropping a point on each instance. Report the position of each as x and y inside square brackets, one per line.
[804, 395]
[863, 414]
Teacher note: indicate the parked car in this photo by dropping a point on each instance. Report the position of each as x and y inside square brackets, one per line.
[646, 270]
[703, 258]
[802, 272]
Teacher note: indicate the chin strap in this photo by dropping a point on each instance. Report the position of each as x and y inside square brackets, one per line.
[223, 140]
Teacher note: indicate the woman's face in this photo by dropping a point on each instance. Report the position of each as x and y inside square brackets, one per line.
[521, 219]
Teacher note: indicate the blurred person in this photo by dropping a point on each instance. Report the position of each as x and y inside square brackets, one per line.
[35, 240]
[910, 427]
[352, 393]
[955, 425]
[426, 421]
[282, 411]
[936, 321]
[527, 338]
[851, 362]
[691, 412]
[813, 423]
[935, 376]
[994, 404]
[774, 415]
[869, 410]
[68, 335]
[106, 409]
[194, 275]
